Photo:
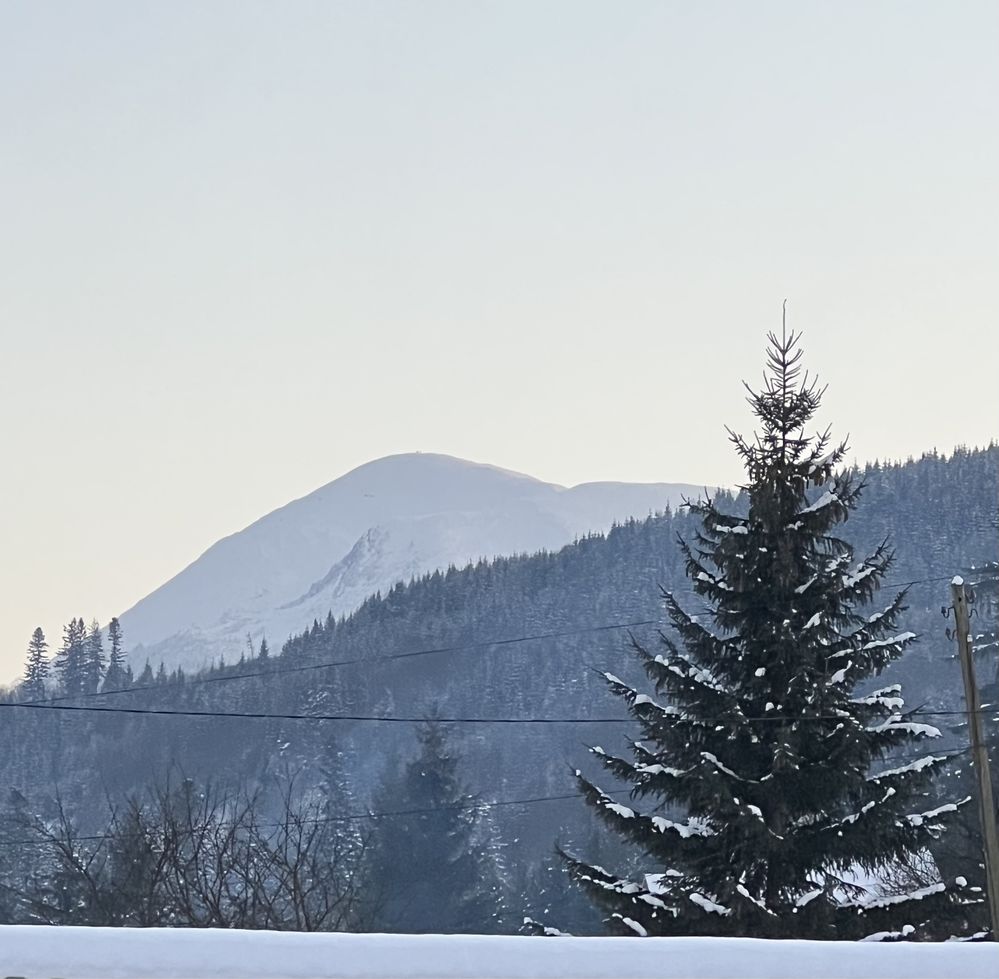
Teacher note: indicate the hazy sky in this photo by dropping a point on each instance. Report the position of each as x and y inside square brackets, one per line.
[246, 247]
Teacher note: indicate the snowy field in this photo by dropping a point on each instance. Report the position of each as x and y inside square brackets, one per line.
[35, 952]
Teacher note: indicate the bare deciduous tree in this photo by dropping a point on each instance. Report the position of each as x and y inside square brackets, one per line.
[203, 858]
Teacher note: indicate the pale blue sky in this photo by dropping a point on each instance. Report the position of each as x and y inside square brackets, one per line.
[245, 247]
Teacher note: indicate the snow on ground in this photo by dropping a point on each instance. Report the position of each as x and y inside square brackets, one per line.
[36, 951]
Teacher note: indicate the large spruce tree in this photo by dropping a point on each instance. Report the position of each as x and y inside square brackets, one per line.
[764, 765]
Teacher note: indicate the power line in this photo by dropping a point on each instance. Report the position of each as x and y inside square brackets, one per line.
[369, 660]
[389, 814]
[58, 704]
[354, 817]
[264, 715]
[430, 651]
[883, 584]
[388, 719]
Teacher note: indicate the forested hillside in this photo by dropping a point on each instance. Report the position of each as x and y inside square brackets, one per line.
[519, 638]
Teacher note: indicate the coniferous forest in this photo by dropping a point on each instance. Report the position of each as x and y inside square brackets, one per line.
[736, 669]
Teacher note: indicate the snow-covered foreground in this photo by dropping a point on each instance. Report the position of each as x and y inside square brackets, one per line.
[80, 953]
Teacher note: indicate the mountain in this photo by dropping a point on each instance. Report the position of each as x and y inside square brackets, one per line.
[387, 521]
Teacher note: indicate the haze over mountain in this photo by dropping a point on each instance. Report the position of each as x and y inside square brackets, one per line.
[384, 522]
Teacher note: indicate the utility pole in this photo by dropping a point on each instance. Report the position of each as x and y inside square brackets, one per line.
[986, 807]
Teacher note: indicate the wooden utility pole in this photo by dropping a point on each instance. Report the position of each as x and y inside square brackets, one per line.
[986, 807]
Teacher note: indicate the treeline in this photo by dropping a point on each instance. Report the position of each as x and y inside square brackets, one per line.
[84, 666]
[81, 664]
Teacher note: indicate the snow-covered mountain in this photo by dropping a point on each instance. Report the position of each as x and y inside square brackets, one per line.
[383, 522]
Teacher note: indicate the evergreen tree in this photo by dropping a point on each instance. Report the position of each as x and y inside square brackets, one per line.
[116, 677]
[71, 659]
[434, 868]
[36, 669]
[265, 651]
[768, 767]
[93, 661]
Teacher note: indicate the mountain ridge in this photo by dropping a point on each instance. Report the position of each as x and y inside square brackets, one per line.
[384, 521]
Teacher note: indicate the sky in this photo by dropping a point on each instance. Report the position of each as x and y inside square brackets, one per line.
[246, 247]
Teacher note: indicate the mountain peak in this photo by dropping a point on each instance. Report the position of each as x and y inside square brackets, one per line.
[301, 561]
[430, 466]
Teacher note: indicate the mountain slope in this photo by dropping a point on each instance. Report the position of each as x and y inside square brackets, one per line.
[381, 523]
